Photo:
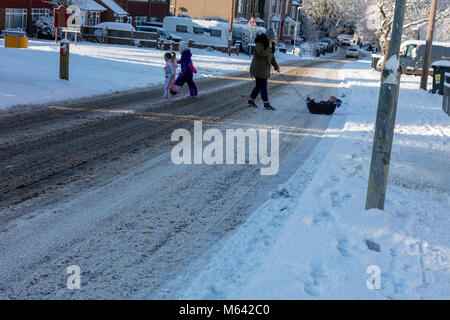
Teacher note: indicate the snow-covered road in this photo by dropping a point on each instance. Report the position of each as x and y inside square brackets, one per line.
[92, 184]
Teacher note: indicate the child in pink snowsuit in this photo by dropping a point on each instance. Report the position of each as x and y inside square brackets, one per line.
[175, 66]
[187, 72]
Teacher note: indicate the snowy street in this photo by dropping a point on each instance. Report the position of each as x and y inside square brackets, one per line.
[96, 175]
[225, 159]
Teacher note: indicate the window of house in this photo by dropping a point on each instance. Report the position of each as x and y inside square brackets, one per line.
[274, 7]
[288, 29]
[198, 30]
[119, 19]
[94, 18]
[37, 13]
[140, 20]
[181, 28]
[257, 6]
[16, 19]
[216, 33]
[249, 6]
[241, 7]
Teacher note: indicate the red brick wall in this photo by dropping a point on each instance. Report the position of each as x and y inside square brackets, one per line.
[2, 19]
[22, 4]
[159, 9]
[138, 8]
[123, 4]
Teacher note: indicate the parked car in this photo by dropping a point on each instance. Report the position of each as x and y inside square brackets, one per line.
[163, 34]
[412, 53]
[323, 46]
[352, 52]
[154, 24]
[208, 32]
[115, 26]
[330, 44]
[346, 42]
[298, 40]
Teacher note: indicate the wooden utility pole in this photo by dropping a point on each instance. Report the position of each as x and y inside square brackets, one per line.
[387, 109]
[429, 44]
[230, 31]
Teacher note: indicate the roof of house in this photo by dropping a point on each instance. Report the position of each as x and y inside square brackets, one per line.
[89, 5]
[115, 7]
[275, 19]
[288, 19]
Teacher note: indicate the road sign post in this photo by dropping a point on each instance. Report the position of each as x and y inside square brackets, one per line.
[252, 25]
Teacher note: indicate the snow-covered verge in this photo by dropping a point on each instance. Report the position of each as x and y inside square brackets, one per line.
[320, 243]
[31, 76]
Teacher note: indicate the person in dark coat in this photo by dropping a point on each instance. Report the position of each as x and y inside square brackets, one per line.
[262, 61]
[187, 72]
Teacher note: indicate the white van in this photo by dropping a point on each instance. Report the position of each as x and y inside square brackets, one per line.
[208, 32]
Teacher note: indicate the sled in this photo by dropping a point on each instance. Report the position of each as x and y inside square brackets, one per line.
[323, 107]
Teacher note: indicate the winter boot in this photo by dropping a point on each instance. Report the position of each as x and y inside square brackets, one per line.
[268, 106]
[251, 103]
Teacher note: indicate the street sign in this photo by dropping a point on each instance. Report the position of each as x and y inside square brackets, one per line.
[60, 17]
[252, 23]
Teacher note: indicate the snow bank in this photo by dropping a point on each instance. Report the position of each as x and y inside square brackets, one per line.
[327, 246]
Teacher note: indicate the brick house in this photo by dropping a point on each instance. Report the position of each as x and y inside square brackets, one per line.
[14, 14]
[116, 11]
[277, 14]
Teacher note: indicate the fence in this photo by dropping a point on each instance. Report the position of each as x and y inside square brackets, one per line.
[143, 39]
[130, 38]
[446, 96]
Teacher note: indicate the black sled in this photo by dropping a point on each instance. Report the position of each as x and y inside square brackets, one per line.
[323, 107]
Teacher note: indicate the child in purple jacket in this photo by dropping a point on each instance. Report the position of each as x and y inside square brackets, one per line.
[187, 72]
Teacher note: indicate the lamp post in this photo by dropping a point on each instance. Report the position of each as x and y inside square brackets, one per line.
[296, 26]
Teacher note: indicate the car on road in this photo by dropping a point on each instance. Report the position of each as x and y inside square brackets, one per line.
[161, 32]
[352, 52]
[330, 44]
[346, 42]
[115, 26]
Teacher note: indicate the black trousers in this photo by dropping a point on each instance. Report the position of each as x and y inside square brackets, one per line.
[261, 87]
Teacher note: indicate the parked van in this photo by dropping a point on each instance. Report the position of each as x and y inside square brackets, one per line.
[412, 53]
[208, 32]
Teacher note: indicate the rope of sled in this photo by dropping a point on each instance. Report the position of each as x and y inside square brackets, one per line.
[295, 89]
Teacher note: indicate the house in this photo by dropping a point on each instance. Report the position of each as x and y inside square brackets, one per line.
[116, 11]
[277, 14]
[15, 14]
[281, 16]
